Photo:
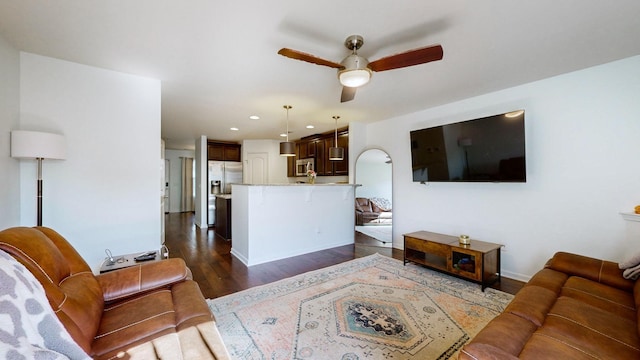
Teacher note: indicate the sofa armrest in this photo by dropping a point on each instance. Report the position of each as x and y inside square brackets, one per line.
[122, 283]
[602, 271]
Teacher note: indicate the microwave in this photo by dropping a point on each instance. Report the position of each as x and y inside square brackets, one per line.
[302, 165]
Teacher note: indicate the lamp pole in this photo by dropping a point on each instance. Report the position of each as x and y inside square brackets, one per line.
[39, 196]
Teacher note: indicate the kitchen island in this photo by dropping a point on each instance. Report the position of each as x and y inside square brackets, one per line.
[277, 221]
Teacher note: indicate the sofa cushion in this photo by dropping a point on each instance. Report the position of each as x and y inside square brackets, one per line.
[607, 298]
[532, 304]
[541, 346]
[592, 330]
[508, 333]
[602, 271]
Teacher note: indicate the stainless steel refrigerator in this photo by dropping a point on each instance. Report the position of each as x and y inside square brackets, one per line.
[221, 175]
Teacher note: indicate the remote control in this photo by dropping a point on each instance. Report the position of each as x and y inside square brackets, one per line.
[146, 256]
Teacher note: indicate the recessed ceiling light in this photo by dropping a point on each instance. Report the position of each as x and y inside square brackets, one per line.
[283, 135]
[254, 117]
[310, 126]
[234, 129]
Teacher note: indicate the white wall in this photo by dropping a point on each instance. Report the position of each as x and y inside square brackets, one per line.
[175, 176]
[9, 116]
[582, 132]
[277, 172]
[106, 193]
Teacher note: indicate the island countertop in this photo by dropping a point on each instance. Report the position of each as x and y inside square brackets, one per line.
[276, 221]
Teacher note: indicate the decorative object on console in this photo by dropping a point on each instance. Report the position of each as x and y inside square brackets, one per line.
[464, 239]
[336, 153]
[37, 145]
[637, 209]
[287, 148]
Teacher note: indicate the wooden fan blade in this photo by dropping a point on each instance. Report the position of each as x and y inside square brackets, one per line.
[407, 58]
[348, 94]
[299, 55]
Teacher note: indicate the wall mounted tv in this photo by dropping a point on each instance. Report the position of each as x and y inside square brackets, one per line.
[488, 149]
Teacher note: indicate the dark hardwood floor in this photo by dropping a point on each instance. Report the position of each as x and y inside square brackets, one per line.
[218, 273]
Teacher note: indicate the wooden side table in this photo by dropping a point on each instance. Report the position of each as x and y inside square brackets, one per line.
[479, 261]
[123, 261]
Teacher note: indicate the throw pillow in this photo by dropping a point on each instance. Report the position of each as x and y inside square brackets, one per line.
[382, 203]
[31, 329]
[631, 261]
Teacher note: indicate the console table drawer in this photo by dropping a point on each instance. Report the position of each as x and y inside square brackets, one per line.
[426, 246]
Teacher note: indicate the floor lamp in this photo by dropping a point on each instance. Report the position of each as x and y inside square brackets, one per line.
[37, 145]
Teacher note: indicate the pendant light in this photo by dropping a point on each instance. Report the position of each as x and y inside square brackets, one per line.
[336, 153]
[287, 148]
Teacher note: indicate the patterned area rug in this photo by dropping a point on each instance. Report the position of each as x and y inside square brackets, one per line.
[368, 308]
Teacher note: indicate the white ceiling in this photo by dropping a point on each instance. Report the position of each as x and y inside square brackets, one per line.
[218, 60]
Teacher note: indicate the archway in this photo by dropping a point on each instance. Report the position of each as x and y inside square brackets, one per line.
[374, 220]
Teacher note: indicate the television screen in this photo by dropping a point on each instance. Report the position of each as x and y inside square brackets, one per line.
[489, 149]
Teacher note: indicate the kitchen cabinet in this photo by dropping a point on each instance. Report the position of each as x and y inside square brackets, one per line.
[223, 151]
[291, 166]
[333, 167]
[223, 216]
[321, 166]
[317, 147]
[306, 149]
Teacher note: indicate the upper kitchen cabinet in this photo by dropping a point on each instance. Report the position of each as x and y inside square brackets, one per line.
[317, 147]
[223, 151]
[306, 149]
[334, 167]
[341, 167]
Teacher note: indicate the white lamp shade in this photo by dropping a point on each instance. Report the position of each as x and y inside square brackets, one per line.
[35, 144]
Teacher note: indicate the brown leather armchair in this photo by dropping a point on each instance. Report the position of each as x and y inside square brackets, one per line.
[119, 313]
[366, 211]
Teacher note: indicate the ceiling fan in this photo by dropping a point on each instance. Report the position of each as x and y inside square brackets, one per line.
[355, 70]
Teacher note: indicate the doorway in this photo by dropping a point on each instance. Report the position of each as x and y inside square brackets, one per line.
[374, 199]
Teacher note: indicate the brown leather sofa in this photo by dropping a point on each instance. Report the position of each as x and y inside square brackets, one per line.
[150, 310]
[575, 308]
[366, 211]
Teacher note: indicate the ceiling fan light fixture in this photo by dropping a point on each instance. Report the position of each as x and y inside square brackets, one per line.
[355, 72]
[354, 78]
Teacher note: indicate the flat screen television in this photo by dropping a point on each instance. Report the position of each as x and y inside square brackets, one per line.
[488, 149]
